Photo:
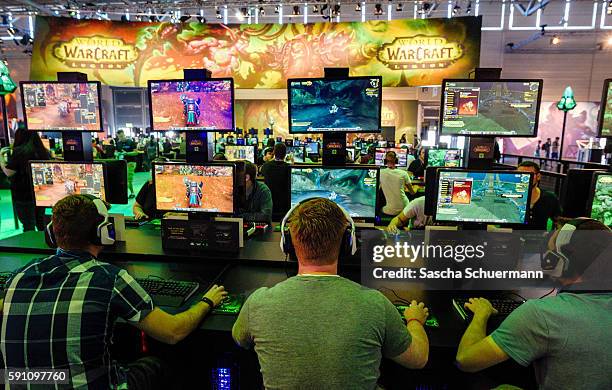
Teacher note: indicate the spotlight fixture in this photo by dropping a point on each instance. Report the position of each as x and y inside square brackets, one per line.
[456, 9]
[201, 19]
[276, 9]
[296, 10]
[11, 31]
[609, 8]
[399, 7]
[555, 40]
[262, 11]
[153, 18]
[315, 9]
[218, 13]
[378, 9]
[358, 7]
[184, 18]
[336, 10]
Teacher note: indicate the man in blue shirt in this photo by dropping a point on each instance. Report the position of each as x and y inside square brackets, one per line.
[59, 312]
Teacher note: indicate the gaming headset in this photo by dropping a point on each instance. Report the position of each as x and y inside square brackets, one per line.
[104, 233]
[349, 241]
[555, 263]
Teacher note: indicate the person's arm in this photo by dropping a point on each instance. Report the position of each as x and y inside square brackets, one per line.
[477, 351]
[402, 219]
[138, 211]
[4, 164]
[241, 332]
[417, 353]
[408, 185]
[171, 329]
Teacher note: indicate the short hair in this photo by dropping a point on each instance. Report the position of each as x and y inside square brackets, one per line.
[587, 244]
[120, 132]
[75, 219]
[251, 170]
[280, 151]
[268, 150]
[219, 157]
[317, 227]
[530, 164]
[390, 155]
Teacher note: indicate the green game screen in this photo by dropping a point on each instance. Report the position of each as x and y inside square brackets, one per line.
[601, 209]
[606, 115]
[483, 197]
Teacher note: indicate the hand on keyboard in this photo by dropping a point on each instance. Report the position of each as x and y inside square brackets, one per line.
[216, 294]
[416, 311]
[480, 307]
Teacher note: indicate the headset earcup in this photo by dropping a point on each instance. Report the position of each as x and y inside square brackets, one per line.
[50, 236]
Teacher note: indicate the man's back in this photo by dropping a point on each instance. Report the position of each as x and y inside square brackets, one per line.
[276, 177]
[393, 182]
[320, 332]
[59, 313]
[567, 338]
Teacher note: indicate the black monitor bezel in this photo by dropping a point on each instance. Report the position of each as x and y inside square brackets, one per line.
[489, 135]
[348, 166]
[196, 212]
[289, 81]
[596, 175]
[430, 149]
[104, 175]
[254, 147]
[25, 116]
[386, 149]
[482, 223]
[152, 125]
[602, 109]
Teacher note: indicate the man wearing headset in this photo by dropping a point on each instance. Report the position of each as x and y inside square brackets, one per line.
[567, 337]
[60, 311]
[321, 331]
[394, 184]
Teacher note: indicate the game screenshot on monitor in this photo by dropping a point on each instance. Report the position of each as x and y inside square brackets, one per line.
[62, 106]
[236, 152]
[402, 156]
[295, 154]
[503, 108]
[53, 181]
[196, 188]
[601, 206]
[347, 105]
[352, 188]
[312, 147]
[450, 158]
[192, 105]
[483, 197]
[605, 116]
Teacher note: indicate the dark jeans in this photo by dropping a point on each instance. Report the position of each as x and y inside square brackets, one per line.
[149, 373]
[29, 216]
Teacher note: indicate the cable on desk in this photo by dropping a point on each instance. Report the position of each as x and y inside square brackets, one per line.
[400, 299]
[548, 293]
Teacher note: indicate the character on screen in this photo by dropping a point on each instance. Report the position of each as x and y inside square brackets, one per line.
[70, 187]
[191, 110]
[194, 192]
[333, 109]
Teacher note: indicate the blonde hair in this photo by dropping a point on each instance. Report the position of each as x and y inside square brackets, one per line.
[317, 227]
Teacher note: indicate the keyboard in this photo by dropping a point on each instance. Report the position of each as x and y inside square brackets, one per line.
[432, 320]
[504, 306]
[167, 292]
[230, 305]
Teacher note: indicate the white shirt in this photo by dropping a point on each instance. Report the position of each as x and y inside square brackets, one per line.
[393, 182]
[415, 210]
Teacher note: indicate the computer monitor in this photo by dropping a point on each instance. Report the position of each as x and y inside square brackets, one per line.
[312, 148]
[494, 108]
[577, 191]
[199, 188]
[253, 141]
[62, 106]
[295, 154]
[473, 196]
[600, 204]
[54, 180]
[431, 190]
[354, 188]
[318, 105]
[240, 152]
[402, 156]
[450, 158]
[181, 105]
[605, 110]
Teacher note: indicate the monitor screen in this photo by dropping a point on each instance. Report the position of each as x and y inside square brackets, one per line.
[240, 152]
[498, 197]
[450, 158]
[57, 106]
[195, 188]
[295, 154]
[181, 105]
[605, 110]
[601, 202]
[312, 148]
[402, 156]
[490, 108]
[352, 188]
[53, 180]
[346, 105]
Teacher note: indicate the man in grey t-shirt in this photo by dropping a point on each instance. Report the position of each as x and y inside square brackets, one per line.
[321, 331]
[568, 337]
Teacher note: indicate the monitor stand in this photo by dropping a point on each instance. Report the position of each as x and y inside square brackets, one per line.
[334, 143]
[76, 144]
[198, 150]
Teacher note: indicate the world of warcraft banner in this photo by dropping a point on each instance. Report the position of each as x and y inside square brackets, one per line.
[411, 52]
